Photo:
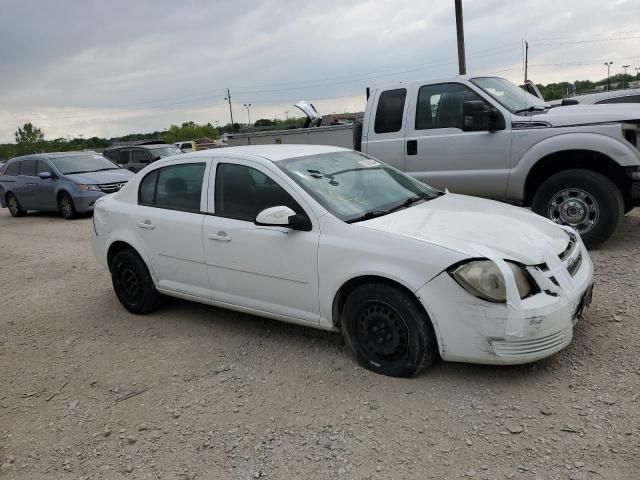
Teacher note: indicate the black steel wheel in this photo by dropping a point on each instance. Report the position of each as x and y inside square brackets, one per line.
[133, 284]
[66, 207]
[388, 331]
[14, 206]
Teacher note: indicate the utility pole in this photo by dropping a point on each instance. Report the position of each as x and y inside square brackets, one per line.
[248, 106]
[526, 59]
[228, 99]
[462, 65]
[637, 83]
[608, 64]
[625, 75]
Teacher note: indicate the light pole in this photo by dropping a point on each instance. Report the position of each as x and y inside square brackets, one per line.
[286, 115]
[625, 74]
[248, 106]
[608, 64]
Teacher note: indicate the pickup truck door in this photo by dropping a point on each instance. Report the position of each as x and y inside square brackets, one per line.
[384, 137]
[438, 152]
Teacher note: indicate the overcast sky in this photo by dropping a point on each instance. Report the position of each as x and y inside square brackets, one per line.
[107, 68]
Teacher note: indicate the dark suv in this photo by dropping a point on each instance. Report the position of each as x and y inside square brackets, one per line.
[136, 157]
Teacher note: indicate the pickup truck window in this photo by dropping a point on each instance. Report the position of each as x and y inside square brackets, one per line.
[390, 110]
[509, 95]
[625, 99]
[441, 106]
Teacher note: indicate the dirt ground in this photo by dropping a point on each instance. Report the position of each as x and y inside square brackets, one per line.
[89, 391]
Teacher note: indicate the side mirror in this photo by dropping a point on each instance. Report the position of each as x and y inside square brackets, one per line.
[45, 175]
[282, 216]
[478, 118]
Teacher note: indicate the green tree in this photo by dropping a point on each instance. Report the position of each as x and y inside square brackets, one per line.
[263, 122]
[29, 138]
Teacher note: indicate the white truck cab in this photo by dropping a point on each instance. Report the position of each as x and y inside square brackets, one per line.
[578, 165]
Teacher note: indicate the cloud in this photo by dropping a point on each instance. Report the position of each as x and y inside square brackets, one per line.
[110, 68]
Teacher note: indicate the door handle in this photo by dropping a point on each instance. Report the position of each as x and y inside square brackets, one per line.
[147, 224]
[219, 237]
[412, 147]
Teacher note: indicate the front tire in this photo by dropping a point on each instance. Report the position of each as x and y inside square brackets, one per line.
[14, 206]
[388, 331]
[66, 207]
[585, 200]
[133, 284]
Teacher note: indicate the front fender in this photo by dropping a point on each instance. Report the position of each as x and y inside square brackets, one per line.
[616, 149]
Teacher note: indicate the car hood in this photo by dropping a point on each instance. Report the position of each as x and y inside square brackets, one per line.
[587, 114]
[107, 176]
[458, 222]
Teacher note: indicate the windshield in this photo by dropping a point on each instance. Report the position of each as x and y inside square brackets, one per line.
[353, 186]
[508, 94]
[83, 164]
[164, 151]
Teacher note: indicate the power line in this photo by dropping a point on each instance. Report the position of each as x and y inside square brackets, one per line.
[626, 32]
[581, 42]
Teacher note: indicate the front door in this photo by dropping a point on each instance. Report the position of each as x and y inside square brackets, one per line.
[441, 154]
[265, 268]
[169, 220]
[45, 195]
[140, 158]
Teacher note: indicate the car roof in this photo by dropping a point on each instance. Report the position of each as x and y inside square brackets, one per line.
[272, 153]
[74, 153]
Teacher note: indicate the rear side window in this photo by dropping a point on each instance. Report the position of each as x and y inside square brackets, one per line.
[177, 187]
[44, 167]
[124, 157]
[28, 167]
[390, 110]
[139, 156]
[12, 169]
[626, 99]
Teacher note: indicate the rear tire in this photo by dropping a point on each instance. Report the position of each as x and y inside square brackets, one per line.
[388, 331]
[585, 200]
[133, 284]
[14, 206]
[66, 207]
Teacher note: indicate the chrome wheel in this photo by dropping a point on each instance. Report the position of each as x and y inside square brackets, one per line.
[576, 208]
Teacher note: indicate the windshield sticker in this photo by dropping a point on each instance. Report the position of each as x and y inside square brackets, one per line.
[368, 163]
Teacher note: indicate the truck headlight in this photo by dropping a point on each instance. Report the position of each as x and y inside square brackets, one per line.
[483, 278]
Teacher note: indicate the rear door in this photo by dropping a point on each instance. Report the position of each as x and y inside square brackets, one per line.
[168, 220]
[440, 153]
[28, 184]
[385, 135]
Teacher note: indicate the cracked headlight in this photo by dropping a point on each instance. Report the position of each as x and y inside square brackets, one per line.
[483, 278]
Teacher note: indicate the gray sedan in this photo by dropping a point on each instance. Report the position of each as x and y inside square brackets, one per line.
[68, 182]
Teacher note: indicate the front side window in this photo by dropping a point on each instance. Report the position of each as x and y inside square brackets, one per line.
[442, 105]
[28, 167]
[353, 186]
[44, 167]
[161, 152]
[139, 156]
[242, 192]
[390, 110]
[176, 187]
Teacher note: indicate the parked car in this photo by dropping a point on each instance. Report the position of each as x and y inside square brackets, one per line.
[629, 95]
[484, 136]
[334, 239]
[2, 164]
[68, 182]
[186, 146]
[136, 157]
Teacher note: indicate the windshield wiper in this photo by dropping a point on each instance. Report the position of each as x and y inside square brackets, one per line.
[109, 168]
[79, 171]
[379, 213]
[368, 216]
[533, 108]
[410, 201]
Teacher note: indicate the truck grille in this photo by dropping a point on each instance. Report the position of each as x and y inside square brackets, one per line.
[111, 187]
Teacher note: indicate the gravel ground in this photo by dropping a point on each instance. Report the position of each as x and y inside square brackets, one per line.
[90, 391]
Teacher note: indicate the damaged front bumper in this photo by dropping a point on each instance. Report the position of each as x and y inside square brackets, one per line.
[472, 330]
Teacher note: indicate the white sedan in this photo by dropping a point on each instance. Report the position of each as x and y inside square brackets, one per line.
[334, 239]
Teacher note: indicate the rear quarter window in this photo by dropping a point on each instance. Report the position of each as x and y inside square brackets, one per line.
[390, 110]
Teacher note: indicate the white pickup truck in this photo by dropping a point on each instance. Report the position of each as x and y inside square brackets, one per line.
[578, 165]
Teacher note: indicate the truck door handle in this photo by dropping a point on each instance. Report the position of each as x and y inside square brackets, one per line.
[146, 224]
[412, 147]
[219, 237]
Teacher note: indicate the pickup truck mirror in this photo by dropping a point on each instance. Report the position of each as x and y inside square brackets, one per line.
[478, 118]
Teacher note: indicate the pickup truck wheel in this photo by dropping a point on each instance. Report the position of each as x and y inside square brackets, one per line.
[585, 200]
[133, 284]
[388, 331]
